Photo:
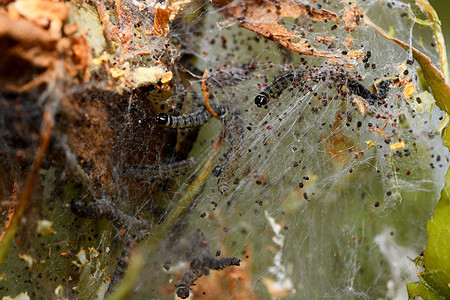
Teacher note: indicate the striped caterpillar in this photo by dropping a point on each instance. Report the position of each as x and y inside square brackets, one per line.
[200, 266]
[162, 171]
[275, 89]
[234, 133]
[124, 259]
[194, 119]
[104, 207]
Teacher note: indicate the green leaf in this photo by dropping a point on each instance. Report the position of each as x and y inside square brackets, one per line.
[421, 289]
[436, 258]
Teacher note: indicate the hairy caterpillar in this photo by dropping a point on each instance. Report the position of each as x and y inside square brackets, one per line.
[194, 119]
[275, 89]
[124, 259]
[104, 207]
[90, 210]
[233, 130]
[234, 133]
[358, 89]
[200, 266]
[162, 171]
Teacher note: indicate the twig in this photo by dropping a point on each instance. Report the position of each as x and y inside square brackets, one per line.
[25, 196]
[159, 232]
[206, 96]
[11, 210]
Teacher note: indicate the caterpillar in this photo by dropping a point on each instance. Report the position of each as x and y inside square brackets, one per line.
[217, 170]
[194, 119]
[90, 210]
[124, 259]
[358, 89]
[275, 89]
[104, 207]
[163, 171]
[200, 266]
[234, 132]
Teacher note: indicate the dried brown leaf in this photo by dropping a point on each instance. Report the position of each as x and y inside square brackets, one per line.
[46, 14]
[161, 24]
[32, 43]
[262, 17]
[175, 7]
[432, 74]
[27, 51]
[230, 283]
[351, 16]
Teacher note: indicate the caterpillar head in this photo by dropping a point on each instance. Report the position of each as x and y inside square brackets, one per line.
[261, 100]
[182, 292]
[221, 111]
[162, 119]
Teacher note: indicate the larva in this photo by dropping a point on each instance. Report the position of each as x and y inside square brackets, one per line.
[275, 89]
[358, 89]
[194, 119]
[200, 266]
[104, 207]
[90, 210]
[234, 132]
[162, 171]
[124, 259]
[217, 170]
[222, 263]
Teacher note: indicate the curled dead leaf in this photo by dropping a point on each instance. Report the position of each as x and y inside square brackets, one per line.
[352, 16]
[44, 13]
[161, 23]
[263, 18]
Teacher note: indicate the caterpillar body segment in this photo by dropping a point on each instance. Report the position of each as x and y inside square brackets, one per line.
[222, 263]
[188, 279]
[358, 89]
[90, 210]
